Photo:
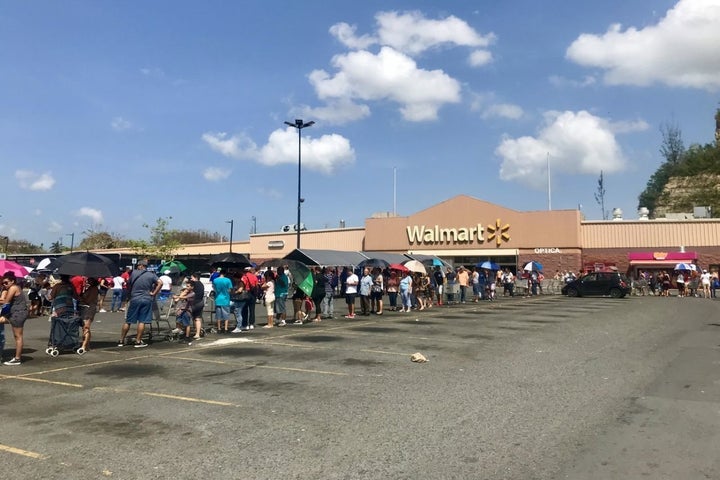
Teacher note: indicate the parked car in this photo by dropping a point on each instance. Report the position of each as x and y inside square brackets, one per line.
[611, 284]
[205, 280]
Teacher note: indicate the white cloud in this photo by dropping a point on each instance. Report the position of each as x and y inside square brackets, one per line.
[119, 124]
[215, 174]
[94, 214]
[323, 154]
[628, 126]
[412, 33]
[389, 75]
[346, 35]
[680, 50]
[562, 82]
[576, 143]
[503, 110]
[478, 58]
[55, 227]
[30, 180]
[489, 107]
[337, 112]
[37, 212]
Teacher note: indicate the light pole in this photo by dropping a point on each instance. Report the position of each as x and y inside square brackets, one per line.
[231, 222]
[72, 240]
[299, 125]
[7, 242]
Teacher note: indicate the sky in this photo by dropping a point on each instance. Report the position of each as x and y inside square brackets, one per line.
[114, 114]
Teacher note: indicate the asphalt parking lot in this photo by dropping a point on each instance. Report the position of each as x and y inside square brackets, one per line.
[544, 387]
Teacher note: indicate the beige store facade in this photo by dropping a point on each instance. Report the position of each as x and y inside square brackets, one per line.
[464, 231]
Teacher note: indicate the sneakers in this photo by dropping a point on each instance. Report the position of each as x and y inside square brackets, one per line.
[297, 322]
[102, 310]
[13, 362]
[349, 316]
[305, 316]
[251, 327]
[282, 323]
[237, 330]
[140, 344]
[175, 331]
[121, 343]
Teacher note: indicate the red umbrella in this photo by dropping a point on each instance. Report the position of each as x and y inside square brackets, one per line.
[8, 266]
[398, 267]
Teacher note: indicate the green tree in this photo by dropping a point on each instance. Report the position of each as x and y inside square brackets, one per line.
[56, 247]
[600, 196]
[673, 151]
[100, 239]
[161, 245]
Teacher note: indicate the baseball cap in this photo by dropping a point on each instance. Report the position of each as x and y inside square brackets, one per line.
[166, 272]
[142, 262]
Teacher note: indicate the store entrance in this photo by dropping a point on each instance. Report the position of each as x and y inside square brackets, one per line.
[504, 261]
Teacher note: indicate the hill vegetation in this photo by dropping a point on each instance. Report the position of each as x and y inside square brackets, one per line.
[687, 178]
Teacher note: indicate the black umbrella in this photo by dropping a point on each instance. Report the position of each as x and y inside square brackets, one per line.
[229, 260]
[374, 263]
[87, 264]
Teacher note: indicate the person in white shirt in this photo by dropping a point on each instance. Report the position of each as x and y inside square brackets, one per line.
[350, 293]
[117, 293]
[166, 289]
[705, 279]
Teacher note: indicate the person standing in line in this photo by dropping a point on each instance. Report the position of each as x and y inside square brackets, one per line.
[104, 285]
[126, 293]
[328, 307]
[462, 279]
[439, 279]
[143, 287]
[269, 297]
[318, 292]
[282, 285]
[451, 282]
[365, 286]
[377, 291]
[88, 307]
[118, 283]
[406, 289]
[705, 279]
[475, 280]
[392, 290]
[198, 305]
[166, 290]
[250, 280]
[680, 282]
[351, 288]
[14, 312]
[222, 286]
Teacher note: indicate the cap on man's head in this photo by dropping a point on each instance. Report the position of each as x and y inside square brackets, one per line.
[248, 268]
[167, 272]
[142, 262]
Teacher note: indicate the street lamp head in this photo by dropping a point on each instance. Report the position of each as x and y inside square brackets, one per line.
[290, 124]
[299, 124]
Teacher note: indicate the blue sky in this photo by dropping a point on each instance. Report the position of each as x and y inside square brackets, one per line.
[113, 114]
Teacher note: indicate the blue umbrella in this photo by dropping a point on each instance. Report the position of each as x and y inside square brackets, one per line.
[488, 265]
[533, 267]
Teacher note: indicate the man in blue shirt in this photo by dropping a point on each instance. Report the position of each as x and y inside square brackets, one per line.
[222, 286]
[143, 286]
[281, 292]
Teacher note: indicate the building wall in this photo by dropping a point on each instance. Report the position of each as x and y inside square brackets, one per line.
[515, 230]
[650, 234]
[342, 239]
[708, 256]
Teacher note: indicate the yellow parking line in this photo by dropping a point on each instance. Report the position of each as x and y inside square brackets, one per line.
[254, 365]
[40, 380]
[24, 453]
[165, 395]
[84, 365]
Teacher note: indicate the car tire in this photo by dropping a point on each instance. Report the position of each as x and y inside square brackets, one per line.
[616, 293]
[572, 292]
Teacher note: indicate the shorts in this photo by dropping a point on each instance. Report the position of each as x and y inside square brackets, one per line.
[376, 295]
[270, 307]
[17, 317]
[183, 319]
[280, 304]
[139, 311]
[350, 298]
[87, 312]
[197, 310]
[222, 313]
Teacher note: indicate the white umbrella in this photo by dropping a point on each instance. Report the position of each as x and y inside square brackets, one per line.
[415, 266]
[685, 266]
